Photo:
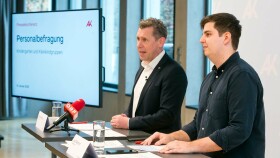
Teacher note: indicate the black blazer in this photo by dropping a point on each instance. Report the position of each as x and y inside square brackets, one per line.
[159, 106]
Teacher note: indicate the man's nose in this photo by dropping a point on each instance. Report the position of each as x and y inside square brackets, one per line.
[202, 40]
[139, 44]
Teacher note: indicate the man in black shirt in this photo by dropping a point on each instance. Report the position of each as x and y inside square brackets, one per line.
[230, 120]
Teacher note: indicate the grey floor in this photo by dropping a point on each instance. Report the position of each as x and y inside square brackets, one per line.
[18, 143]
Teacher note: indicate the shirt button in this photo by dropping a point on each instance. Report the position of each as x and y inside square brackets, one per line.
[217, 76]
[222, 70]
[211, 92]
[202, 128]
[206, 110]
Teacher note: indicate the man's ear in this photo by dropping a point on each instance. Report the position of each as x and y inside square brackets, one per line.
[161, 41]
[227, 38]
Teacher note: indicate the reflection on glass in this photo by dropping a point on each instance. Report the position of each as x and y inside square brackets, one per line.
[164, 10]
[37, 5]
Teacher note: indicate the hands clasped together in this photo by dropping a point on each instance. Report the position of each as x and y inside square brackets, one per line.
[120, 121]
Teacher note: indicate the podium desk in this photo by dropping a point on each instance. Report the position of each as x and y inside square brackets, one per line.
[59, 150]
[62, 135]
[129, 134]
[52, 137]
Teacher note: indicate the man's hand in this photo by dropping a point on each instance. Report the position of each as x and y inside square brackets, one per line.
[120, 121]
[158, 139]
[177, 147]
[202, 145]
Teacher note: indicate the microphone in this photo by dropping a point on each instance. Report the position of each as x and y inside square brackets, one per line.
[71, 113]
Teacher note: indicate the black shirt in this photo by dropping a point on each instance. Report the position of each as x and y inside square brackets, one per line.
[231, 111]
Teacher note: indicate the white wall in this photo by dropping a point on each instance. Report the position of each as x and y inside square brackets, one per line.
[259, 46]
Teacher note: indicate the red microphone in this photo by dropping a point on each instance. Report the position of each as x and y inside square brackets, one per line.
[71, 112]
[74, 108]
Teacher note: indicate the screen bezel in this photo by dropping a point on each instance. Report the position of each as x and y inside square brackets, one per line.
[99, 66]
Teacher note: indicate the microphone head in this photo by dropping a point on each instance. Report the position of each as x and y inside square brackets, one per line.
[74, 108]
[79, 104]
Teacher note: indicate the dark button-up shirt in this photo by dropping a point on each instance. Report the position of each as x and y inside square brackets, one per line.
[231, 111]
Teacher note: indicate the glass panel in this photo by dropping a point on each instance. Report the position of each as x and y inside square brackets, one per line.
[195, 58]
[111, 12]
[164, 10]
[91, 3]
[76, 4]
[209, 64]
[37, 5]
[62, 5]
[132, 57]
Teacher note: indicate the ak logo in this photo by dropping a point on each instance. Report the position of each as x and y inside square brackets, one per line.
[250, 10]
[89, 23]
[270, 63]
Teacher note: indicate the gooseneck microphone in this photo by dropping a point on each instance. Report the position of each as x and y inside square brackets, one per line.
[71, 113]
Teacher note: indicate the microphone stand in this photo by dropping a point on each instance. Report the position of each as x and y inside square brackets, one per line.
[66, 128]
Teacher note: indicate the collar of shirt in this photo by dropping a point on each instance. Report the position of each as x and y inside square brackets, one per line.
[226, 64]
[154, 62]
[143, 78]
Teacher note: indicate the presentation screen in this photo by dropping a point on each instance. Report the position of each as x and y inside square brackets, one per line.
[56, 56]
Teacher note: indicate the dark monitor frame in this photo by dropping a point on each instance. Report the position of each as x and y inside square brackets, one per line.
[100, 82]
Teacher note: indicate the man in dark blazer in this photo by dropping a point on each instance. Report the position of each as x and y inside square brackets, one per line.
[159, 88]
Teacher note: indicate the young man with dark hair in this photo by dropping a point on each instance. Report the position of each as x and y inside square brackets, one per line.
[230, 120]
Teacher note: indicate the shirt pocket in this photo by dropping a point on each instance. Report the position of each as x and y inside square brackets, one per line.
[218, 108]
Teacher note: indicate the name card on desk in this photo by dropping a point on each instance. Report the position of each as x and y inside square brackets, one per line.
[80, 147]
[42, 121]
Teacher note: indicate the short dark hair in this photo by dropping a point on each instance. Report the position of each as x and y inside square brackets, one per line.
[159, 28]
[225, 22]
